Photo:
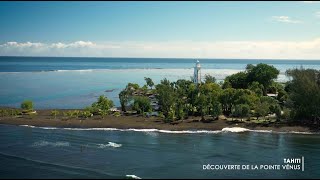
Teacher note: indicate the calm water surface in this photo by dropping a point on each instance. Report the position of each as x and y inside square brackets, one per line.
[77, 82]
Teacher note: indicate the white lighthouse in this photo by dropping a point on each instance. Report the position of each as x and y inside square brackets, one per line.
[197, 73]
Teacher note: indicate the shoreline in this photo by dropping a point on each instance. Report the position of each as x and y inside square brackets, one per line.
[199, 131]
[139, 123]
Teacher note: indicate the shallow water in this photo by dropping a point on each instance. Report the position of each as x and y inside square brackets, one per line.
[77, 82]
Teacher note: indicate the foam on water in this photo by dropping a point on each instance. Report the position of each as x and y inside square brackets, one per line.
[298, 132]
[39, 127]
[148, 131]
[92, 129]
[54, 144]
[132, 176]
[190, 132]
[50, 128]
[263, 131]
[76, 70]
[142, 130]
[30, 126]
[154, 134]
[235, 129]
[110, 144]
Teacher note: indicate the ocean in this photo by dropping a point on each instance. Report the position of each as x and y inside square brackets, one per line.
[68, 83]
[46, 152]
[32, 152]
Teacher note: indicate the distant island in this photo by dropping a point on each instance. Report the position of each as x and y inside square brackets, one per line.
[248, 99]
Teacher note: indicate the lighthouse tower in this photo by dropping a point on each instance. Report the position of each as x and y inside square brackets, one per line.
[197, 73]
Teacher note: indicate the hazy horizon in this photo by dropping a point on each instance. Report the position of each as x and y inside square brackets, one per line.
[177, 58]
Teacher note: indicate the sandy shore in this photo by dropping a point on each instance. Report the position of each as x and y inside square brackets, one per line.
[44, 119]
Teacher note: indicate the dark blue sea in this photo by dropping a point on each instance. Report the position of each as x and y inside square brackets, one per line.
[31, 152]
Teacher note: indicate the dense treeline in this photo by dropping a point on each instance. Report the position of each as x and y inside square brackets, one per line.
[241, 95]
[244, 95]
[304, 94]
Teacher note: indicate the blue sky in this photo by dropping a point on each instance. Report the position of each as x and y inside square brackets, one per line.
[146, 28]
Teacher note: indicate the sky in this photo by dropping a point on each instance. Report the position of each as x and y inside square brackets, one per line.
[244, 30]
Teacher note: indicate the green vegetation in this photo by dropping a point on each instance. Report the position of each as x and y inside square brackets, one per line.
[261, 109]
[69, 114]
[124, 99]
[104, 113]
[237, 81]
[100, 107]
[241, 110]
[241, 95]
[253, 95]
[103, 104]
[304, 95]
[86, 114]
[9, 112]
[117, 114]
[141, 104]
[263, 74]
[209, 79]
[149, 82]
[72, 114]
[167, 97]
[54, 113]
[76, 113]
[91, 109]
[160, 115]
[14, 112]
[32, 115]
[27, 105]
[178, 100]
[256, 88]
[126, 95]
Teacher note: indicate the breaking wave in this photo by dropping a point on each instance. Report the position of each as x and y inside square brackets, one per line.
[153, 131]
[235, 129]
[29, 126]
[132, 176]
[110, 144]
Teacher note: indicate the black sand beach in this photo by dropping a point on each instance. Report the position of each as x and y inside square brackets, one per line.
[44, 119]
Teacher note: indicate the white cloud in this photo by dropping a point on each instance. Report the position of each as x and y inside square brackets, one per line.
[27, 44]
[76, 44]
[58, 45]
[317, 14]
[176, 49]
[285, 19]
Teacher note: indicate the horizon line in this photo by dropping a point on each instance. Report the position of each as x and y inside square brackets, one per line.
[285, 59]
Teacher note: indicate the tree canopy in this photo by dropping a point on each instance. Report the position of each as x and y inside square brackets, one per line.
[238, 80]
[304, 93]
[209, 79]
[27, 105]
[263, 74]
[149, 82]
[141, 104]
[243, 94]
[102, 104]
